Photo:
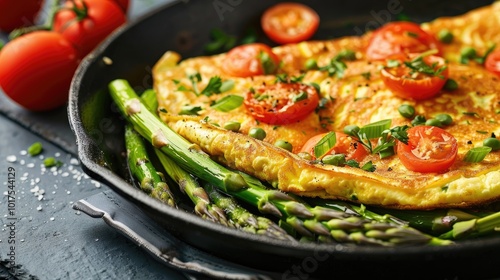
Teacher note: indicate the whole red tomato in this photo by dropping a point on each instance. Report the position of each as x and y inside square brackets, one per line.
[18, 13]
[88, 23]
[36, 70]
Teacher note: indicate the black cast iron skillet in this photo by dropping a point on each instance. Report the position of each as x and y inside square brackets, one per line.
[184, 26]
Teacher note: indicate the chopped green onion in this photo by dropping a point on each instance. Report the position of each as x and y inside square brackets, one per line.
[190, 110]
[299, 97]
[346, 55]
[351, 129]
[374, 130]
[227, 85]
[228, 103]
[35, 149]
[477, 154]
[352, 163]
[369, 166]
[325, 144]
[213, 86]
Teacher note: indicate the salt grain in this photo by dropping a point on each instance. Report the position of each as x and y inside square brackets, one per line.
[11, 158]
[23, 152]
[52, 218]
[39, 208]
[74, 161]
[30, 165]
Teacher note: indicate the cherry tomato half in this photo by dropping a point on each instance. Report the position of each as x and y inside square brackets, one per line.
[492, 62]
[429, 149]
[102, 18]
[286, 23]
[407, 83]
[18, 13]
[281, 103]
[345, 145]
[36, 70]
[250, 60]
[400, 37]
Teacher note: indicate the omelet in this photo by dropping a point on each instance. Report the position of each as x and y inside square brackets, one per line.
[358, 97]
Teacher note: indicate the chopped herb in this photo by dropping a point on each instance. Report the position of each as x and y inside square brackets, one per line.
[322, 103]
[316, 87]
[391, 63]
[220, 41]
[311, 64]
[284, 78]
[369, 166]
[227, 85]
[335, 67]
[268, 64]
[418, 65]
[299, 97]
[450, 85]
[412, 34]
[367, 75]
[418, 120]
[228, 103]
[352, 163]
[213, 86]
[469, 53]
[190, 110]
[445, 36]
[345, 55]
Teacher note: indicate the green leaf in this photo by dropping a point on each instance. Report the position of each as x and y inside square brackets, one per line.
[228, 103]
[190, 110]
[325, 144]
[268, 63]
[213, 86]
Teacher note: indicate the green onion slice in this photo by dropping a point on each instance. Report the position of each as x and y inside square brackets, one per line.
[228, 103]
[325, 144]
[374, 130]
[227, 85]
[477, 154]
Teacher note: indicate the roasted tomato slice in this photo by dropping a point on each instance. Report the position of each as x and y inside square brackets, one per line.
[415, 77]
[492, 62]
[429, 149]
[250, 60]
[400, 37]
[286, 23]
[345, 144]
[281, 103]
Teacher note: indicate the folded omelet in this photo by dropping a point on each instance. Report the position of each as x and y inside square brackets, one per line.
[358, 97]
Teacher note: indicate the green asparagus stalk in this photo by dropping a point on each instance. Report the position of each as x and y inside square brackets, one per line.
[189, 186]
[474, 227]
[243, 218]
[150, 181]
[187, 155]
[327, 224]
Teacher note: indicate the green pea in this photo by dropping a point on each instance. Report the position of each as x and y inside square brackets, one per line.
[445, 119]
[493, 143]
[433, 122]
[351, 130]
[35, 149]
[418, 120]
[305, 155]
[445, 36]
[337, 159]
[257, 133]
[232, 125]
[468, 52]
[450, 85]
[346, 55]
[311, 64]
[284, 145]
[407, 111]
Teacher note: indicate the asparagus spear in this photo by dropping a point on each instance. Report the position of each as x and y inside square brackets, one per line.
[474, 227]
[306, 220]
[188, 185]
[243, 218]
[150, 181]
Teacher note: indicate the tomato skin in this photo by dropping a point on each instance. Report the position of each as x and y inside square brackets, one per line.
[345, 144]
[394, 38]
[279, 108]
[243, 61]
[37, 69]
[103, 17]
[286, 23]
[418, 88]
[492, 62]
[438, 149]
[124, 4]
[18, 13]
